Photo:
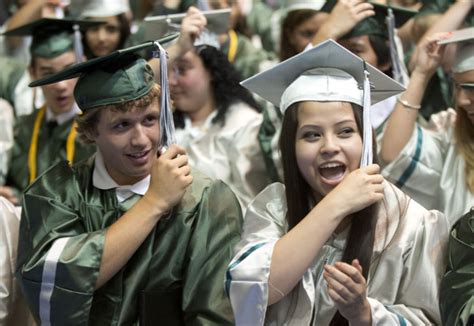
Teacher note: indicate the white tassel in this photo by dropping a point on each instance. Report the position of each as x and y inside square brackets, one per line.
[78, 49]
[167, 131]
[398, 67]
[367, 153]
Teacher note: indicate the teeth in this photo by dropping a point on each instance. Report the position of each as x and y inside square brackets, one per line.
[330, 165]
[137, 155]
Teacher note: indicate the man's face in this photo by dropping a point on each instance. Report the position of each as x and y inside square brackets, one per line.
[59, 96]
[129, 141]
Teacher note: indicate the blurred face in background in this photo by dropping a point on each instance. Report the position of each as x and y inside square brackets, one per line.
[104, 39]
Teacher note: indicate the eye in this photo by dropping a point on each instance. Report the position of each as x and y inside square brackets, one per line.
[112, 29]
[150, 120]
[311, 135]
[346, 132]
[122, 125]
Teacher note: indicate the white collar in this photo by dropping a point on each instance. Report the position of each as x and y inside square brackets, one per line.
[102, 180]
[196, 131]
[63, 117]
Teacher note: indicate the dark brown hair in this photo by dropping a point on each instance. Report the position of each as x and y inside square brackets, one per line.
[464, 136]
[361, 236]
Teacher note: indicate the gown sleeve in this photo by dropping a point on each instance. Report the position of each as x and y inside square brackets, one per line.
[247, 274]
[58, 261]
[218, 223]
[417, 169]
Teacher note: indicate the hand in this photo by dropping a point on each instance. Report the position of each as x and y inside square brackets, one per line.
[348, 289]
[170, 176]
[429, 54]
[345, 15]
[360, 189]
[9, 194]
[191, 28]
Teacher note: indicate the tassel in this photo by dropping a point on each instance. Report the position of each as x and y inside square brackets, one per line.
[167, 131]
[78, 49]
[398, 67]
[367, 153]
[202, 5]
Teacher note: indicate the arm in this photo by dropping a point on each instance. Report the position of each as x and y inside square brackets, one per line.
[191, 27]
[31, 11]
[342, 19]
[170, 178]
[402, 121]
[295, 251]
[217, 229]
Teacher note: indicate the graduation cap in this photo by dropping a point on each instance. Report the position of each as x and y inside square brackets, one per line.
[376, 25]
[120, 77]
[327, 72]
[464, 60]
[52, 37]
[217, 23]
[291, 5]
[99, 8]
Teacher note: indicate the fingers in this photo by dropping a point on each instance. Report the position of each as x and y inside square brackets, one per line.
[371, 169]
[173, 151]
[345, 280]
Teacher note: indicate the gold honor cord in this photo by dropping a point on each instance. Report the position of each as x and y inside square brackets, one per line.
[70, 144]
[232, 46]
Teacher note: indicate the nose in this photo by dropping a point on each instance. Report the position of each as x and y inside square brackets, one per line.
[138, 137]
[464, 97]
[102, 34]
[173, 77]
[329, 146]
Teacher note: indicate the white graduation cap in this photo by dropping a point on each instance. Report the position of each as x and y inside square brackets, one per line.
[464, 60]
[159, 26]
[291, 5]
[327, 72]
[99, 8]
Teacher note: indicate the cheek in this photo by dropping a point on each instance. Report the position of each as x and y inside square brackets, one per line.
[305, 156]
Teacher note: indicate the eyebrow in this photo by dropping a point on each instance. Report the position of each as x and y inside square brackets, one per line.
[337, 124]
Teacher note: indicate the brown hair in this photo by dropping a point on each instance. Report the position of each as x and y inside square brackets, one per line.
[362, 233]
[464, 136]
[291, 21]
[88, 120]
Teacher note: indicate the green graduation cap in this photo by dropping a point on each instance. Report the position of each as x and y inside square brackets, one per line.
[52, 37]
[327, 72]
[158, 26]
[120, 77]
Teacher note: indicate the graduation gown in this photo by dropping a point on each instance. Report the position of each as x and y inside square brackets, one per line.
[230, 151]
[180, 265]
[51, 148]
[431, 170]
[457, 287]
[406, 268]
[13, 308]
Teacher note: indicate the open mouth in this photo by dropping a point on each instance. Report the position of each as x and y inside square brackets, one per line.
[332, 172]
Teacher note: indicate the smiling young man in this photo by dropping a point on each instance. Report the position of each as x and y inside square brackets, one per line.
[47, 135]
[131, 236]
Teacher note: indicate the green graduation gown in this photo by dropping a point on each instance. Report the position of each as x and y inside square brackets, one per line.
[51, 149]
[181, 263]
[457, 287]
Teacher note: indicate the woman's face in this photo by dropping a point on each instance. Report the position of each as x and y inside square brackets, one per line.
[303, 33]
[104, 39]
[328, 144]
[465, 95]
[190, 84]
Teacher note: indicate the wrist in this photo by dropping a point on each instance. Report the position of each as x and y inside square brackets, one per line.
[157, 207]
[364, 318]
